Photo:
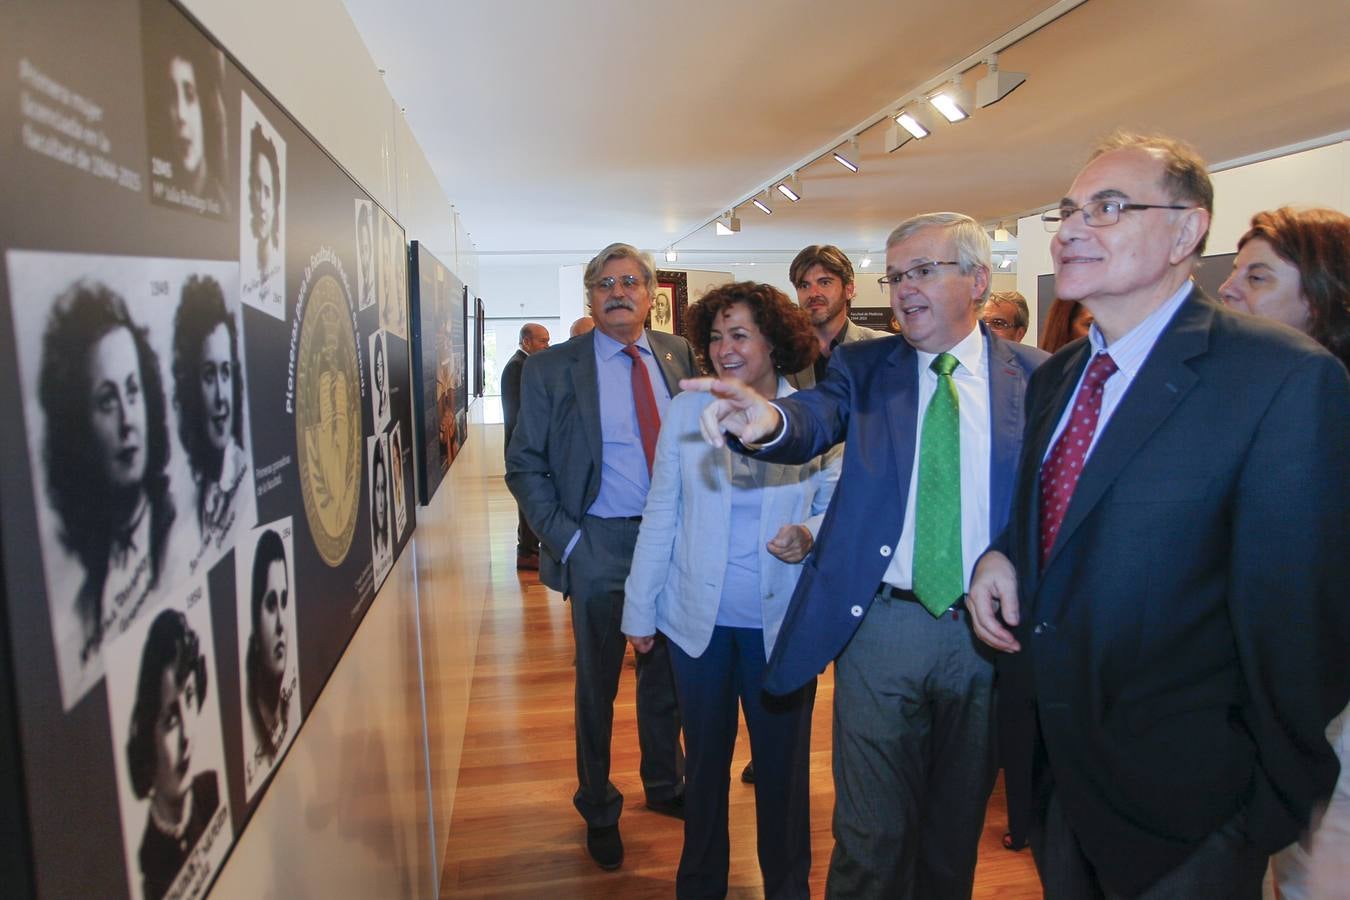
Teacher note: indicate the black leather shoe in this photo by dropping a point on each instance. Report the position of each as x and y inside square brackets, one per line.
[605, 846]
[748, 773]
[674, 807]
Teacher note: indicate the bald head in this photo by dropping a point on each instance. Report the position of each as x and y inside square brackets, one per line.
[533, 338]
[581, 326]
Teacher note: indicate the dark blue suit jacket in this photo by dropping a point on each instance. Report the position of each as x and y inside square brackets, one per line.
[1183, 648]
[869, 399]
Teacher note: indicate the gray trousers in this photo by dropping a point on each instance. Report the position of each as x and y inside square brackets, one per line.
[596, 571]
[914, 755]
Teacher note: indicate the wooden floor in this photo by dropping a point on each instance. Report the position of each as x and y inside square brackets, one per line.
[514, 832]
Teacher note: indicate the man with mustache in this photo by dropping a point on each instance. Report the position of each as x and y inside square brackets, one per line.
[823, 277]
[1169, 596]
[579, 465]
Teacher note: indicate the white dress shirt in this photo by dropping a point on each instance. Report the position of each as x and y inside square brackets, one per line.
[971, 378]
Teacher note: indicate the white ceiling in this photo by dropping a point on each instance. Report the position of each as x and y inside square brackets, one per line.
[560, 127]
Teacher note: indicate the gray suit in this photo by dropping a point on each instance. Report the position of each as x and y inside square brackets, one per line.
[852, 332]
[553, 467]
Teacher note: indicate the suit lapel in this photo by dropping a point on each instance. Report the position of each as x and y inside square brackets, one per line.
[665, 361]
[902, 402]
[586, 388]
[1007, 392]
[1160, 385]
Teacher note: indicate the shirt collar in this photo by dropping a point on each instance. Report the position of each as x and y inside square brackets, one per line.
[969, 352]
[1131, 349]
[606, 348]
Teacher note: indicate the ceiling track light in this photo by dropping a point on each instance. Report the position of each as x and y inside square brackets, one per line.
[953, 102]
[914, 122]
[671, 255]
[844, 160]
[728, 224]
[761, 205]
[866, 261]
[997, 84]
[791, 191]
[1006, 262]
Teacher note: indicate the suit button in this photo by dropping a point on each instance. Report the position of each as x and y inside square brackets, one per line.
[856, 611]
[1043, 628]
[886, 550]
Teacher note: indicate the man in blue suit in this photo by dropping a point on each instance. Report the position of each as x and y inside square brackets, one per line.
[932, 424]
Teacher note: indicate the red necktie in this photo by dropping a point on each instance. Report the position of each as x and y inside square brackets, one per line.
[648, 416]
[1060, 471]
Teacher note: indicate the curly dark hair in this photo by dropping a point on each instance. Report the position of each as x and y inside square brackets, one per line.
[261, 149]
[171, 645]
[201, 311]
[783, 323]
[264, 688]
[1317, 243]
[91, 511]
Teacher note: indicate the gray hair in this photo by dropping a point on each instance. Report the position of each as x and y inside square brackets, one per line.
[644, 261]
[1019, 302]
[972, 244]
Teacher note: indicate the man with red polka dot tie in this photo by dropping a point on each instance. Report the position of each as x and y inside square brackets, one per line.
[1169, 594]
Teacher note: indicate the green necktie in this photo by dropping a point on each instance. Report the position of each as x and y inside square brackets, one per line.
[937, 515]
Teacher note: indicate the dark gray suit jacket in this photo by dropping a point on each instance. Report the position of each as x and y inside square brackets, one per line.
[553, 460]
[511, 394]
[1183, 647]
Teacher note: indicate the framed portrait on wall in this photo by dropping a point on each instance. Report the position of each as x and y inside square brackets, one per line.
[669, 303]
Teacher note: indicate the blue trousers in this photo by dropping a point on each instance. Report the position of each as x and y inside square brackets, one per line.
[708, 687]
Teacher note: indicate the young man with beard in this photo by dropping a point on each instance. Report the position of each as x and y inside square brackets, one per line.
[823, 277]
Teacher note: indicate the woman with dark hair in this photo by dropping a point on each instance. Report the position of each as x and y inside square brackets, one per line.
[264, 201]
[1068, 320]
[715, 565]
[1293, 267]
[208, 389]
[187, 117]
[269, 699]
[381, 385]
[379, 502]
[105, 449]
[169, 696]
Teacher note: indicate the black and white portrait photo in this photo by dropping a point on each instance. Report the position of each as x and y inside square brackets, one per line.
[365, 253]
[394, 278]
[185, 115]
[208, 394]
[262, 201]
[265, 582]
[162, 699]
[379, 380]
[396, 473]
[100, 341]
[381, 532]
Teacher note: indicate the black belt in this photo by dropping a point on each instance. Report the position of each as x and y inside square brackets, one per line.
[615, 518]
[890, 592]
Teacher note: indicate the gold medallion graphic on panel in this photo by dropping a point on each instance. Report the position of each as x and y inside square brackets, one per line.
[328, 417]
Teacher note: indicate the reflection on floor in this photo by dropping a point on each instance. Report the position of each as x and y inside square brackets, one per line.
[514, 832]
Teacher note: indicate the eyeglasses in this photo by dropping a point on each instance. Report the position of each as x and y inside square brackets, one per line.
[628, 281]
[1098, 213]
[1000, 323]
[920, 274]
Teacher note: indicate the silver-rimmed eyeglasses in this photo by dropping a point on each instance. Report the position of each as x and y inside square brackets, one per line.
[627, 281]
[1099, 213]
[920, 274]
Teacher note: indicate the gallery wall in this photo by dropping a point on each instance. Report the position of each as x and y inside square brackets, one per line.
[353, 803]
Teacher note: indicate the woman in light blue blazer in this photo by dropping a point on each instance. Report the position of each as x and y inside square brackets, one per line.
[715, 565]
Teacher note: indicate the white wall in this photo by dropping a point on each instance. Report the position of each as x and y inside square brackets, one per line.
[1319, 177]
[363, 800]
